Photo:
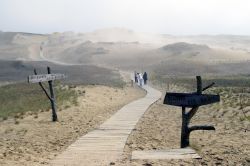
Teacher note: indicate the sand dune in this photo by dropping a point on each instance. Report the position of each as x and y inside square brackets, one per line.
[85, 47]
[130, 50]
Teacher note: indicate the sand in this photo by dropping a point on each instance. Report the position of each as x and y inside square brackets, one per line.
[160, 128]
[35, 140]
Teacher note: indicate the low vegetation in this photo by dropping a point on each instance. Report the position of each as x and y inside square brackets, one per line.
[17, 71]
[190, 81]
[16, 99]
[234, 91]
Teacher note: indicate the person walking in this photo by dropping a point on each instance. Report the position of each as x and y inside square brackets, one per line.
[136, 78]
[145, 77]
[141, 79]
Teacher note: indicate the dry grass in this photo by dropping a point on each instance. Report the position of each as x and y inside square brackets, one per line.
[16, 99]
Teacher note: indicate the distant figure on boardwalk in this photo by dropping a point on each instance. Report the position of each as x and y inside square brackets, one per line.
[136, 78]
[145, 77]
[140, 79]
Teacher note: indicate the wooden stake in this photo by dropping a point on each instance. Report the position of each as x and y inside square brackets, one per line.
[47, 78]
[52, 101]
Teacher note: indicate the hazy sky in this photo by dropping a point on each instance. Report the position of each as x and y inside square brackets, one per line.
[157, 16]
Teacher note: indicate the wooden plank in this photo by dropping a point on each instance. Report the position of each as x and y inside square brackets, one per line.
[106, 143]
[44, 77]
[184, 153]
[190, 100]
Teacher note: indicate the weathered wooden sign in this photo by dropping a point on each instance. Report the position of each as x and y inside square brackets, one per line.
[190, 100]
[193, 101]
[45, 77]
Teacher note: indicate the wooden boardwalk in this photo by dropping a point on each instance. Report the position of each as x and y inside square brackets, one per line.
[184, 153]
[106, 143]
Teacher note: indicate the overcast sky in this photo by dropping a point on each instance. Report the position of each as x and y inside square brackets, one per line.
[178, 17]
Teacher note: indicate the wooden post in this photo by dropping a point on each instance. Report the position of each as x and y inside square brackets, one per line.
[199, 84]
[193, 101]
[186, 117]
[52, 101]
[47, 78]
[184, 129]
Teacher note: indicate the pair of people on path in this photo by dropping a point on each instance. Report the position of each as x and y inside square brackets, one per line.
[141, 79]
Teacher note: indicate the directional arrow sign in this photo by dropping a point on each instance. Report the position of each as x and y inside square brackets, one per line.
[44, 77]
[190, 100]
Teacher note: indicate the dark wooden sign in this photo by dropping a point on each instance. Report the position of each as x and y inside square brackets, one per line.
[193, 101]
[44, 77]
[190, 100]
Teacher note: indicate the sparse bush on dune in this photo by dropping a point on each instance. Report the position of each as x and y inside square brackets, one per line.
[16, 99]
[234, 91]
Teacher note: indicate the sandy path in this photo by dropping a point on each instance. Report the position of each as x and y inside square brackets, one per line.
[34, 52]
[41, 55]
[105, 144]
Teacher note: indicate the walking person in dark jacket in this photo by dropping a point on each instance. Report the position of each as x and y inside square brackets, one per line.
[136, 79]
[145, 77]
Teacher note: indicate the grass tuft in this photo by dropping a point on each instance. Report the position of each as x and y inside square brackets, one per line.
[16, 99]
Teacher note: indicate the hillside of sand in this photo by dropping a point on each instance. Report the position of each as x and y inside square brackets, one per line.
[18, 71]
[127, 49]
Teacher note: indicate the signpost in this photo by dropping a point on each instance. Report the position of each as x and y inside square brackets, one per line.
[43, 78]
[191, 100]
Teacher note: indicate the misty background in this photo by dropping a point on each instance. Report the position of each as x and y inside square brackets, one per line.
[162, 37]
[179, 17]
